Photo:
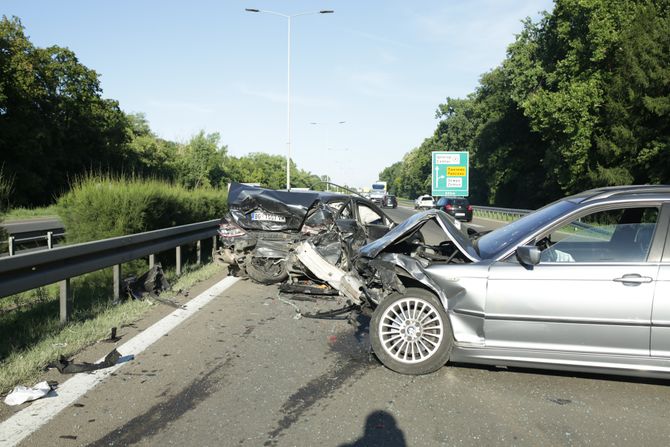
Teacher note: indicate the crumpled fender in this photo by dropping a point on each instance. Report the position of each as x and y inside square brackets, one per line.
[414, 270]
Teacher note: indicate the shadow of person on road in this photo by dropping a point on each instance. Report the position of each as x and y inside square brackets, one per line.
[380, 430]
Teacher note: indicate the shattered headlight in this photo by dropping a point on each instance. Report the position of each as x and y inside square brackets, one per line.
[229, 230]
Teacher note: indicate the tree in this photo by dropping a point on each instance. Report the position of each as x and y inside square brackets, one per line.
[200, 162]
[148, 155]
[582, 100]
[54, 123]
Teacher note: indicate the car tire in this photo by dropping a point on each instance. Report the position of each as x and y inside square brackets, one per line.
[429, 342]
[265, 270]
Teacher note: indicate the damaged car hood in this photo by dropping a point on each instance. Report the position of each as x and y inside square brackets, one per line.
[414, 223]
[257, 208]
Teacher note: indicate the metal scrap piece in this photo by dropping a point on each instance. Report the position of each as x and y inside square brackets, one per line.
[348, 284]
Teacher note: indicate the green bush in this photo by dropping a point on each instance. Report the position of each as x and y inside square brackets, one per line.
[99, 207]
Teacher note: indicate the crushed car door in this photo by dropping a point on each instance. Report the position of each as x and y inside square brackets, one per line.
[590, 293]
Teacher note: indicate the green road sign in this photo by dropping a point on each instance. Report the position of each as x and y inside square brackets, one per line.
[450, 173]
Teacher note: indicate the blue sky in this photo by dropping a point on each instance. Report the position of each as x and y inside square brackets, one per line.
[381, 66]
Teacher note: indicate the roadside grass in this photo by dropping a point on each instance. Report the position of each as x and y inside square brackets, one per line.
[29, 213]
[34, 337]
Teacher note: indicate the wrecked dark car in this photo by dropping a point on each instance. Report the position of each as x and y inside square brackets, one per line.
[263, 226]
[579, 284]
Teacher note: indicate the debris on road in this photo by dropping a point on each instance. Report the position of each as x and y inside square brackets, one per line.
[66, 366]
[152, 282]
[22, 394]
[112, 337]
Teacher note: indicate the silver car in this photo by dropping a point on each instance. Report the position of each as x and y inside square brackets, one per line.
[581, 284]
[424, 202]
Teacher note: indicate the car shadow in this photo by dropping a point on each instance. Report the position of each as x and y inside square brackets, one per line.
[559, 373]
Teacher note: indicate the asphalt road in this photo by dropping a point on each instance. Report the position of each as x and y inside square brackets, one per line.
[30, 227]
[243, 371]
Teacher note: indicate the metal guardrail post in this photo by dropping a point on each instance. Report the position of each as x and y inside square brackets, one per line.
[198, 252]
[178, 259]
[152, 261]
[214, 239]
[117, 282]
[10, 244]
[50, 240]
[65, 293]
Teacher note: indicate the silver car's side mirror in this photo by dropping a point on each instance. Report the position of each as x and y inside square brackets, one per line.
[528, 254]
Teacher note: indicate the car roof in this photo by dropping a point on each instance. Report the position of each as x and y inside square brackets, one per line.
[626, 191]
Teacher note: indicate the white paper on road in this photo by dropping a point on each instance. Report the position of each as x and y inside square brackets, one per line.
[22, 394]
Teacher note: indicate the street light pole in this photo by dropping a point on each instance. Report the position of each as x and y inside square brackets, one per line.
[288, 80]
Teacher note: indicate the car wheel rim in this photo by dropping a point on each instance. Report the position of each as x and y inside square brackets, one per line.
[411, 330]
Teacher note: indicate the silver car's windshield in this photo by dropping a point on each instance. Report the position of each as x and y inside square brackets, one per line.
[494, 243]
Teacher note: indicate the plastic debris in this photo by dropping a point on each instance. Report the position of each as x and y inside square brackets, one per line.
[152, 283]
[22, 394]
[66, 366]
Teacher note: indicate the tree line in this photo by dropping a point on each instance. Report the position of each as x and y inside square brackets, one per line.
[582, 100]
[55, 126]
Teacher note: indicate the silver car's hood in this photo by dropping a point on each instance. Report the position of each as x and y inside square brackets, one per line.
[413, 224]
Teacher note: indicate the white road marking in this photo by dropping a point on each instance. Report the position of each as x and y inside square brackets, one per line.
[30, 419]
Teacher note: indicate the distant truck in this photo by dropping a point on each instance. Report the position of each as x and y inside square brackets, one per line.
[378, 193]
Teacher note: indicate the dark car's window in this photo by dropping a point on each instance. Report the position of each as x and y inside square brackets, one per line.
[618, 235]
[494, 243]
[342, 208]
[452, 201]
[368, 216]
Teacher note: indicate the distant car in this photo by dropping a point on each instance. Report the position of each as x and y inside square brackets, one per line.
[391, 201]
[424, 202]
[459, 207]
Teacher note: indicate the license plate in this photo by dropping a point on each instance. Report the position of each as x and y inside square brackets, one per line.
[460, 214]
[267, 217]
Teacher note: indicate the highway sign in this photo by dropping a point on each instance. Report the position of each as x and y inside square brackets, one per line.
[450, 172]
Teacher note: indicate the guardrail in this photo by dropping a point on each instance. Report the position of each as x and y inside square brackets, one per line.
[499, 213]
[28, 271]
[13, 242]
[486, 211]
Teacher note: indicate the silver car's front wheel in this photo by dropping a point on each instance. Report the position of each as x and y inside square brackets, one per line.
[410, 332]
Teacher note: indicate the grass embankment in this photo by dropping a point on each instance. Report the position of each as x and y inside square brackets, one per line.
[31, 213]
[34, 337]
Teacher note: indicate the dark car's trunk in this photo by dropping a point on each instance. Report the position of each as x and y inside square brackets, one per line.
[254, 208]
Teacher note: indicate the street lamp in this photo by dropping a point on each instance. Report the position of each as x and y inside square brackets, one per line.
[288, 79]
